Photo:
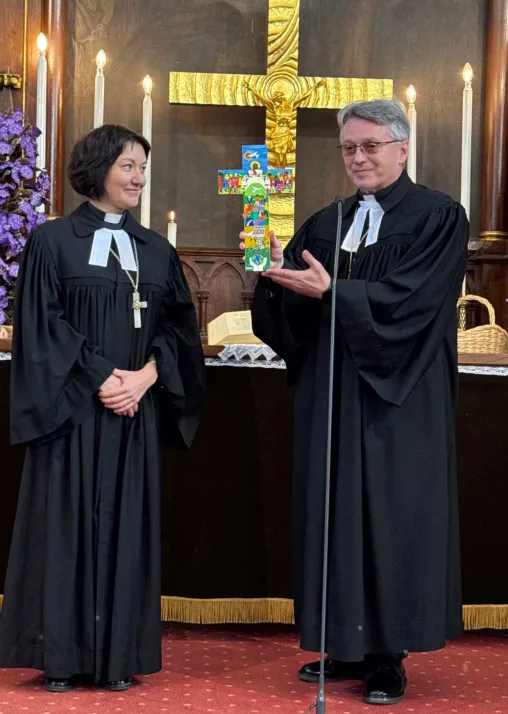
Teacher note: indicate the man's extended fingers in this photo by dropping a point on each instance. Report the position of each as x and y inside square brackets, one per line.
[281, 273]
[309, 259]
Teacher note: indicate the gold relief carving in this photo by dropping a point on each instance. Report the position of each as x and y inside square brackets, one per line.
[282, 91]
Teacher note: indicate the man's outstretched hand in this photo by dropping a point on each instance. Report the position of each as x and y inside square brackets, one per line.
[313, 282]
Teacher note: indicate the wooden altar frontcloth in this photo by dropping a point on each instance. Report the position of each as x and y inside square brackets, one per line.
[227, 502]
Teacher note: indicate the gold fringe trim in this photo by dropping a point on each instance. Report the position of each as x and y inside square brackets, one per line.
[253, 611]
[222, 611]
[485, 617]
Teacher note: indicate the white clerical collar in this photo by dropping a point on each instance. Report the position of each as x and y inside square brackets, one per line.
[367, 206]
[113, 217]
[101, 245]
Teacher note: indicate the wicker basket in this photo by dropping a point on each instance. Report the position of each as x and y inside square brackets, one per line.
[489, 338]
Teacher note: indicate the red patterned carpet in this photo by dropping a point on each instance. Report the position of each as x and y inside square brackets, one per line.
[222, 670]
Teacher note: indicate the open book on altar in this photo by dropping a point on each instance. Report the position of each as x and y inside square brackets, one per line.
[232, 328]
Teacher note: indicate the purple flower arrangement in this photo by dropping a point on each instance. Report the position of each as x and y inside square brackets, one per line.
[23, 187]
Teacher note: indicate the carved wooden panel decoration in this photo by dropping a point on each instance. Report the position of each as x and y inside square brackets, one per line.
[218, 282]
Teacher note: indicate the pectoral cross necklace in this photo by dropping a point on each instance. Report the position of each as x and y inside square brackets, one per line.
[137, 304]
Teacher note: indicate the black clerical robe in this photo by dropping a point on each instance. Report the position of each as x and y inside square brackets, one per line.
[83, 586]
[394, 562]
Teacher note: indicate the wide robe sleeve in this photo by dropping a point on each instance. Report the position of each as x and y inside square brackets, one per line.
[55, 373]
[395, 327]
[281, 318]
[180, 361]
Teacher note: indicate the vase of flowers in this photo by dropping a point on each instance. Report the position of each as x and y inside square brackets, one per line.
[23, 188]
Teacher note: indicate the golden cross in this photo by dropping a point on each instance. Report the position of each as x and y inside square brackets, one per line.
[282, 91]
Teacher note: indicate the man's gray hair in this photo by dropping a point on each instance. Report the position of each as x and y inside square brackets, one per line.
[385, 112]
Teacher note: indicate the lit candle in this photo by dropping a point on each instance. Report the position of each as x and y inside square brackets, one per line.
[147, 133]
[467, 132]
[411, 158]
[98, 109]
[172, 229]
[41, 100]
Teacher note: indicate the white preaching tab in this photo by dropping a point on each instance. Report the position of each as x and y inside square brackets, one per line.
[101, 245]
[368, 207]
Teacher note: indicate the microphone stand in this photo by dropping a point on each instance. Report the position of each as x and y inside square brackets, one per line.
[320, 704]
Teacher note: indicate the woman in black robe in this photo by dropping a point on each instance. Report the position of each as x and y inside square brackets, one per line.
[394, 567]
[106, 344]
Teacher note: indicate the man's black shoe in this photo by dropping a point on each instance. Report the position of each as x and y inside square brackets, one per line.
[335, 671]
[386, 684]
[119, 685]
[58, 684]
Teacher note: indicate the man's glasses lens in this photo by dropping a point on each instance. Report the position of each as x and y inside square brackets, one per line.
[368, 147]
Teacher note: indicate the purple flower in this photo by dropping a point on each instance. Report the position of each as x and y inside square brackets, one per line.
[22, 188]
[14, 124]
[27, 209]
[13, 270]
[3, 317]
[15, 221]
[43, 181]
[36, 198]
[21, 171]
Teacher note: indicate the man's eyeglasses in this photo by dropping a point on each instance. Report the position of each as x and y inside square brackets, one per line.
[368, 147]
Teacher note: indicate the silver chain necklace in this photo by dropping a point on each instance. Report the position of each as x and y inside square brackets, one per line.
[137, 304]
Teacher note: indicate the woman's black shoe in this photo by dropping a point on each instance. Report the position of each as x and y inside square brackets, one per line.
[58, 684]
[120, 685]
[335, 671]
[386, 685]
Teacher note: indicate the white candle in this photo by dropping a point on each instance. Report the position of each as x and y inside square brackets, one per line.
[42, 86]
[98, 109]
[411, 158]
[41, 105]
[147, 133]
[467, 132]
[172, 229]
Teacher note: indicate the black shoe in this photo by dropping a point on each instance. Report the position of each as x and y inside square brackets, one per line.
[120, 685]
[335, 671]
[386, 685]
[58, 684]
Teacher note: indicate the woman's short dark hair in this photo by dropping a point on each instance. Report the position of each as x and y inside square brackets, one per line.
[94, 155]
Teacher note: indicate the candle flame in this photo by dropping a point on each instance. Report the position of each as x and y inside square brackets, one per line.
[171, 216]
[411, 94]
[467, 73]
[42, 42]
[101, 59]
[147, 84]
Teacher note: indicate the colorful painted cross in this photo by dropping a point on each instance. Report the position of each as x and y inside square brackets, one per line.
[256, 182]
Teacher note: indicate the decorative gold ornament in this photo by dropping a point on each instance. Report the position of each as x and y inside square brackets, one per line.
[10, 81]
[282, 91]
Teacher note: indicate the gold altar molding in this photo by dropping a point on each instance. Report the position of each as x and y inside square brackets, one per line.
[256, 611]
[282, 91]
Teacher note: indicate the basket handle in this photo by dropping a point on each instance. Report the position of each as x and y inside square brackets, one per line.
[476, 298]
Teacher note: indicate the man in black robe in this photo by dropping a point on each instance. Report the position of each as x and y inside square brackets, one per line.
[106, 344]
[394, 572]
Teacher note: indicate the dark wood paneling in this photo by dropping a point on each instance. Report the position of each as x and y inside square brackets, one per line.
[12, 51]
[408, 40]
[496, 120]
[218, 282]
